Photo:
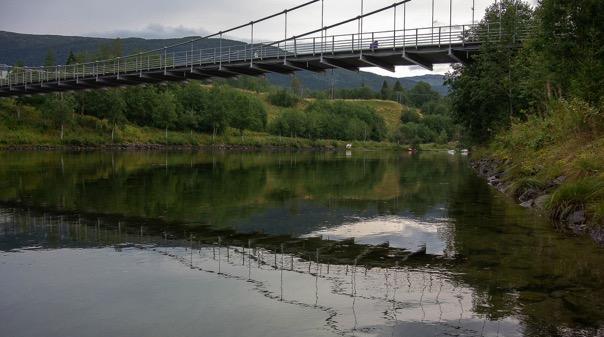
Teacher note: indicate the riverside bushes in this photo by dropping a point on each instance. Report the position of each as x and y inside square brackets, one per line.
[339, 120]
[420, 129]
[190, 114]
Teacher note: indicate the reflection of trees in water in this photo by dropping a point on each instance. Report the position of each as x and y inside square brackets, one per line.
[428, 181]
[329, 179]
[517, 263]
[147, 185]
[214, 188]
[131, 184]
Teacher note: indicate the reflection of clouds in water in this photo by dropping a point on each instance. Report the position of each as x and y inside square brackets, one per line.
[346, 300]
[399, 232]
[255, 291]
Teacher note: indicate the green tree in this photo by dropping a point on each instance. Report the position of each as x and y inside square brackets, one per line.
[246, 113]
[61, 108]
[140, 104]
[164, 113]
[484, 94]
[410, 115]
[385, 91]
[421, 94]
[414, 134]
[439, 124]
[398, 93]
[569, 44]
[50, 60]
[105, 104]
[436, 107]
[71, 59]
[398, 87]
[283, 98]
[116, 114]
[296, 86]
[216, 117]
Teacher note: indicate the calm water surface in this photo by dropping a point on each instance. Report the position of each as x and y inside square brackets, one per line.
[281, 244]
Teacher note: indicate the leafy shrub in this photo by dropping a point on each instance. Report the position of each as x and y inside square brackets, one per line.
[415, 134]
[418, 129]
[283, 98]
[411, 116]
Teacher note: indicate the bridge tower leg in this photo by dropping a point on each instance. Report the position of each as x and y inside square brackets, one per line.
[432, 24]
[450, 24]
[252, 45]
[473, 10]
[285, 43]
[360, 40]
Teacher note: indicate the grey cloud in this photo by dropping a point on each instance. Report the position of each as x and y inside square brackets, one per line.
[187, 17]
[153, 31]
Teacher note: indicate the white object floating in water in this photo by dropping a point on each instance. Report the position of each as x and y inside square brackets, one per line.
[348, 146]
[451, 152]
[465, 152]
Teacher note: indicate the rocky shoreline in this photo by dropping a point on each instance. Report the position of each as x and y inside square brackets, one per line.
[536, 198]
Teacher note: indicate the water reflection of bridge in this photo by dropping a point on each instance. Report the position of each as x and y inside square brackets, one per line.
[376, 290]
[67, 229]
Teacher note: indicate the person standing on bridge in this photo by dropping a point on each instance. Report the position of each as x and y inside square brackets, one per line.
[374, 45]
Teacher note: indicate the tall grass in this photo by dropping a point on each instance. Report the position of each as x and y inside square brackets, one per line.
[583, 194]
[568, 141]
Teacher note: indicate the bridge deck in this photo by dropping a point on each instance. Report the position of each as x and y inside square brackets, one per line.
[412, 47]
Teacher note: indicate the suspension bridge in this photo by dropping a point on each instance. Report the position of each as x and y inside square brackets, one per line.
[317, 50]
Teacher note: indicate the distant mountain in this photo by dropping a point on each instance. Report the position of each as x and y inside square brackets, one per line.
[32, 50]
[350, 79]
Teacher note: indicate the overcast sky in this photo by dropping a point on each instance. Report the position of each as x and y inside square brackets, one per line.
[178, 18]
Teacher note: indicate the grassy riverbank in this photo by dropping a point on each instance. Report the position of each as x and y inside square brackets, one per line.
[24, 126]
[555, 162]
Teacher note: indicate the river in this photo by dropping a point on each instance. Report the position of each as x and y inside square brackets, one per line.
[281, 244]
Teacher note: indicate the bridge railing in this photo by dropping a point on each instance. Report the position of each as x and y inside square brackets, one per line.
[409, 38]
[166, 60]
